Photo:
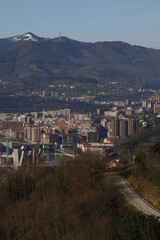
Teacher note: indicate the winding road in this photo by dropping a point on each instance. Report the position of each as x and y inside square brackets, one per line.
[133, 198]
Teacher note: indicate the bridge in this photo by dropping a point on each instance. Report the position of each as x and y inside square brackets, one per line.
[30, 150]
[60, 153]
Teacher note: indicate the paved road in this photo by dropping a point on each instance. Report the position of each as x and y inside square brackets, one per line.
[133, 197]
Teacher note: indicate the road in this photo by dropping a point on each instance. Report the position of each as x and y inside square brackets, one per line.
[133, 198]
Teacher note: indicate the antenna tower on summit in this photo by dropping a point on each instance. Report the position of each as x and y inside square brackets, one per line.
[60, 37]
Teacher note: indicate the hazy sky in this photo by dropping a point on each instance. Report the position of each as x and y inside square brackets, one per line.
[132, 21]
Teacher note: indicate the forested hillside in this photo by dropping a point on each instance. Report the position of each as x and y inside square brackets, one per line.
[75, 200]
[43, 61]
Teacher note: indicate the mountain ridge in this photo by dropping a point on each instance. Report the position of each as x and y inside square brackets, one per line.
[64, 58]
[70, 39]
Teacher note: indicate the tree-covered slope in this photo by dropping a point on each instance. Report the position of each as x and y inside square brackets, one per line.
[51, 59]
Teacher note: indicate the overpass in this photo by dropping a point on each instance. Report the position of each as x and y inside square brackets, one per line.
[22, 150]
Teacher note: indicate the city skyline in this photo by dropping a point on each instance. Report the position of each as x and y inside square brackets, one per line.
[135, 22]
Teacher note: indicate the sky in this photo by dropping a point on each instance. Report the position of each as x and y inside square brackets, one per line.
[134, 21]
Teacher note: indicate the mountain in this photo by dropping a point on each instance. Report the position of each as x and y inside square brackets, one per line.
[25, 37]
[35, 60]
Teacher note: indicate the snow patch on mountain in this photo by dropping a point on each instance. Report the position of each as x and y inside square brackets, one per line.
[25, 37]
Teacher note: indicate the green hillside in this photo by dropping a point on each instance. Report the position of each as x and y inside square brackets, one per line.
[52, 59]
